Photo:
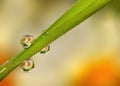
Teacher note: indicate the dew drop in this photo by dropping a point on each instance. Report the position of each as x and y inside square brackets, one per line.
[45, 49]
[27, 65]
[26, 41]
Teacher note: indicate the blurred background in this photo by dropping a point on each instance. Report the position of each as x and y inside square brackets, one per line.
[88, 55]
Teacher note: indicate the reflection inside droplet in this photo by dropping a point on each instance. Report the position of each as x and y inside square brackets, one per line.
[27, 65]
[26, 41]
[45, 49]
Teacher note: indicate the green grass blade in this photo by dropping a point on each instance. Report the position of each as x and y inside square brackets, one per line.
[81, 10]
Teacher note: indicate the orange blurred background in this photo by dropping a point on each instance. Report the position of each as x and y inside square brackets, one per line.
[5, 54]
[88, 55]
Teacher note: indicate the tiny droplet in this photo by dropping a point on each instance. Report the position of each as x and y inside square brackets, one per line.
[27, 65]
[26, 41]
[45, 49]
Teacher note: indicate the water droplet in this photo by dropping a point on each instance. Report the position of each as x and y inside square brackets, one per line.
[26, 41]
[27, 65]
[45, 49]
[42, 31]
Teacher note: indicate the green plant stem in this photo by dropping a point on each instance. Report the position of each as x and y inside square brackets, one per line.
[81, 10]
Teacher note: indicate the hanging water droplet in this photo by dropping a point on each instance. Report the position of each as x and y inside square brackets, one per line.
[45, 49]
[27, 65]
[42, 31]
[26, 41]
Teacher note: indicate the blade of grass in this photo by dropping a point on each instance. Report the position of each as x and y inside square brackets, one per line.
[81, 10]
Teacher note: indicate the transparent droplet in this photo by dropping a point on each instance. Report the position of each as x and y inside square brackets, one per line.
[42, 31]
[26, 41]
[27, 65]
[46, 33]
[45, 49]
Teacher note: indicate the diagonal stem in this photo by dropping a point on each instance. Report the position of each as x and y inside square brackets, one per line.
[81, 10]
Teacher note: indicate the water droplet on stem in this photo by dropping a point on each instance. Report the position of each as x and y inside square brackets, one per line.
[27, 65]
[26, 41]
[45, 49]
